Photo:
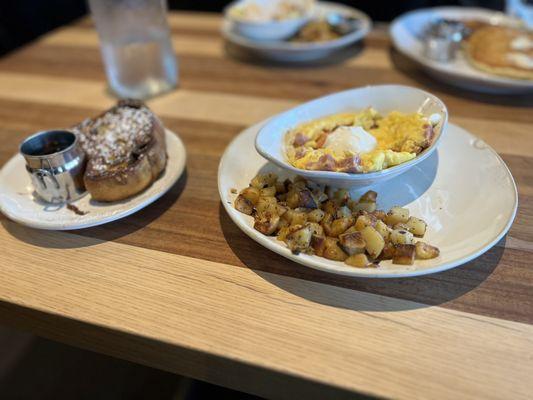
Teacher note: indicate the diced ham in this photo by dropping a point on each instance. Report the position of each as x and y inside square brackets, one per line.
[300, 139]
[324, 163]
[350, 164]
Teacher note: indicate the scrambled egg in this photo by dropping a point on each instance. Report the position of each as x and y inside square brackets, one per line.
[400, 137]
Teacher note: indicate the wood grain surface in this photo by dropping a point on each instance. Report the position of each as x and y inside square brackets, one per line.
[178, 286]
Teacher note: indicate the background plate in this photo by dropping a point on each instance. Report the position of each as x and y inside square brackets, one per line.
[18, 203]
[464, 191]
[406, 30]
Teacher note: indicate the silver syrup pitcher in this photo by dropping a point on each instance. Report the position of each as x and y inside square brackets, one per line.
[56, 163]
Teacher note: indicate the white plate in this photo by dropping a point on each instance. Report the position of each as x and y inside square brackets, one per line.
[18, 203]
[296, 52]
[463, 190]
[406, 32]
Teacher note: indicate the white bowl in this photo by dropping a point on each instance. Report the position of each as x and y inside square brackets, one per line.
[270, 141]
[265, 30]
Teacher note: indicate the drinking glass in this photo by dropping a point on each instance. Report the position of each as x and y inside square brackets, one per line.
[136, 47]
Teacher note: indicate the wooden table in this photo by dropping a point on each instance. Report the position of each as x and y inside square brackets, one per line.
[179, 287]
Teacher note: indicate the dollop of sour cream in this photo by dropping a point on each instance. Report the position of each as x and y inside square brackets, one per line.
[350, 138]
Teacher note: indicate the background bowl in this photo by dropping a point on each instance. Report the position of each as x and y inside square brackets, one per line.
[270, 141]
[265, 30]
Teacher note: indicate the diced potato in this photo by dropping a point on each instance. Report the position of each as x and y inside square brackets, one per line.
[326, 223]
[266, 204]
[318, 244]
[330, 207]
[424, 251]
[388, 252]
[298, 218]
[266, 223]
[332, 251]
[283, 232]
[397, 214]
[416, 226]
[341, 196]
[269, 191]
[316, 228]
[283, 223]
[351, 229]
[340, 225]
[319, 195]
[315, 215]
[358, 260]
[404, 254]
[301, 198]
[281, 187]
[365, 220]
[261, 181]
[299, 240]
[251, 194]
[380, 214]
[352, 243]
[343, 212]
[369, 197]
[374, 241]
[281, 208]
[366, 206]
[400, 225]
[401, 236]
[382, 229]
[244, 205]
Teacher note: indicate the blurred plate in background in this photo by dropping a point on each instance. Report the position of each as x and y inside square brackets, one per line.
[286, 51]
[407, 32]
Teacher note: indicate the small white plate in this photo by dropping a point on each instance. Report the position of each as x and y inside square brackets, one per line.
[286, 51]
[406, 31]
[18, 203]
[464, 192]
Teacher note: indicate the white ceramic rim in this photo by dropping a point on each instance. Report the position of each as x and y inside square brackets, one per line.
[226, 13]
[319, 264]
[172, 139]
[305, 47]
[480, 76]
[356, 176]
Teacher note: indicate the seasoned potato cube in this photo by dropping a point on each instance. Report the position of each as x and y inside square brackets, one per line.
[244, 205]
[358, 260]
[319, 195]
[424, 251]
[351, 229]
[397, 214]
[343, 212]
[365, 220]
[301, 198]
[404, 254]
[283, 223]
[380, 214]
[318, 244]
[401, 236]
[341, 196]
[251, 194]
[299, 240]
[266, 223]
[281, 208]
[330, 207]
[316, 229]
[374, 241]
[298, 218]
[283, 232]
[340, 225]
[416, 226]
[369, 197]
[388, 252]
[266, 204]
[366, 206]
[316, 215]
[281, 187]
[269, 191]
[382, 229]
[263, 180]
[400, 225]
[352, 243]
[332, 251]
